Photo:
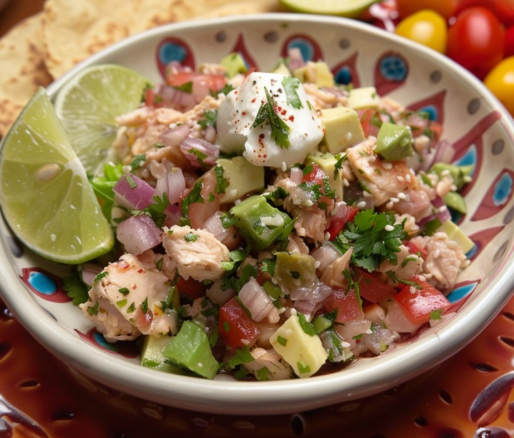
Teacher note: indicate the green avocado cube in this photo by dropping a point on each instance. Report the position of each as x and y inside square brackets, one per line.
[234, 63]
[327, 163]
[242, 176]
[259, 223]
[152, 355]
[457, 235]
[455, 201]
[362, 98]
[459, 174]
[394, 142]
[281, 68]
[295, 270]
[317, 73]
[190, 349]
[342, 129]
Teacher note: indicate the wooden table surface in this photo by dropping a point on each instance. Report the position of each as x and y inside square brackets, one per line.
[16, 11]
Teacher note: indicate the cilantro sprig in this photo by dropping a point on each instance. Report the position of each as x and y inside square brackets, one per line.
[279, 129]
[374, 237]
[290, 85]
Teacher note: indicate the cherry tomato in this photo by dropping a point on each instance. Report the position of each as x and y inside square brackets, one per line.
[476, 40]
[445, 8]
[500, 81]
[503, 9]
[425, 27]
[509, 42]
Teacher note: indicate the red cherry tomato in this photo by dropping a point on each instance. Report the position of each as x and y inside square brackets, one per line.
[446, 8]
[476, 40]
[503, 9]
[509, 42]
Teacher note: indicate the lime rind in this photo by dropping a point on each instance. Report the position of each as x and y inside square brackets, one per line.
[88, 104]
[44, 192]
[344, 8]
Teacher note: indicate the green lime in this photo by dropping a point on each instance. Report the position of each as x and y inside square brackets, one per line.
[346, 8]
[44, 191]
[88, 104]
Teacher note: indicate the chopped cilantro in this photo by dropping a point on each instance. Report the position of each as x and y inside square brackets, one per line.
[124, 290]
[158, 265]
[93, 310]
[432, 226]
[194, 196]
[241, 356]
[395, 279]
[100, 276]
[341, 158]
[144, 305]
[211, 197]
[76, 289]
[131, 308]
[307, 327]
[225, 90]
[235, 283]
[191, 237]
[227, 221]
[121, 303]
[282, 341]
[138, 161]
[436, 314]
[186, 87]
[200, 156]
[426, 180]
[308, 169]
[210, 118]
[302, 369]
[130, 182]
[290, 85]
[226, 327]
[263, 374]
[221, 181]
[279, 129]
[156, 210]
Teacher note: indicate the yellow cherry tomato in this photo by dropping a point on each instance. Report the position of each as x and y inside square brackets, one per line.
[425, 27]
[500, 80]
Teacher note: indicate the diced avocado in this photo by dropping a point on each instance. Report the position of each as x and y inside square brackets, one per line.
[234, 63]
[303, 352]
[361, 98]
[342, 129]
[457, 235]
[456, 201]
[190, 349]
[281, 69]
[317, 73]
[152, 355]
[459, 174]
[243, 177]
[259, 223]
[327, 163]
[394, 142]
[295, 270]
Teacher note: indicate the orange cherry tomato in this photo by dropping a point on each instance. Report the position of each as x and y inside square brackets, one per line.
[445, 8]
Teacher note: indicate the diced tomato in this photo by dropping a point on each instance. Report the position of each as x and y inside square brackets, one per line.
[200, 81]
[420, 302]
[315, 176]
[415, 249]
[191, 287]
[149, 97]
[235, 326]
[348, 305]
[372, 289]
[344, 214]
[365, 117]
[436, 129]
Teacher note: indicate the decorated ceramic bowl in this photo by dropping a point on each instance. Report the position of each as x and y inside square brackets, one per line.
[479, 130]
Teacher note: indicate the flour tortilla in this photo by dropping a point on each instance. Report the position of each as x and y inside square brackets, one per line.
[74, 30]
[22, 68]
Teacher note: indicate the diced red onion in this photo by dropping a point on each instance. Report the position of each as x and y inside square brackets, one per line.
[442, 212]
[338, 354]
[172, 183]
[175, 136]
[255, 299]
[296, 175]
[295, 59]
[325, 255]
[138, 234]
[444, 153]
[176, 98]
[209, 134]
[228, 236]
[217, 295]
[376, 341]
[133, 193]
[173, 215]
[89, 272]
[307, 308]
[315, 294]
[193, 147]
[350, 330]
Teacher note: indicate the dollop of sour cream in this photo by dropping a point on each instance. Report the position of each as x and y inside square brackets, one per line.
[237, 114]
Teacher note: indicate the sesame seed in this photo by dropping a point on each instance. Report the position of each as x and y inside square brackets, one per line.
[361, 204]
[284, 167]
[400, 178]
[394, 200]
[402, 196]
[445, 172]
[389, 228]
[422, 278]
[442, 208]
[327, 237]
[389, 205]
[346, 182]
[386, 165]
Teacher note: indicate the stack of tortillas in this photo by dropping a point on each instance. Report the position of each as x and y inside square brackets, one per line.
[45, 46]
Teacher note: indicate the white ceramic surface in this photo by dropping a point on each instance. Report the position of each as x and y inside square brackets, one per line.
[479, 129]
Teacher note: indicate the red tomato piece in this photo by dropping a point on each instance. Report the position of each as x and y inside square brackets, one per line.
[503, 9]
[476, 40]
[315, 176]
[415, 249]
[372, 289]
[418, 303]
[191, 287]
[235, 327]
[349, 307]
[210, 82]
[366, 116]
[509, 42]
[344, 214]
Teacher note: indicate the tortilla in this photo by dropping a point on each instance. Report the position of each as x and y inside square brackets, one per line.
[22, 69]
[75, 30]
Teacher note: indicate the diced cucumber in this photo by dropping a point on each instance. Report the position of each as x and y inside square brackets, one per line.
[152, 355]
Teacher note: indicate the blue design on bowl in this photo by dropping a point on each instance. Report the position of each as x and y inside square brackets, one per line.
[100, 340]
[42, 283]
[461, 292]
[468, 159]
[393, 68]
[431, 110]
[471, 253]
[502, 189]
[343, 76]
[172, 52]
[304, 46]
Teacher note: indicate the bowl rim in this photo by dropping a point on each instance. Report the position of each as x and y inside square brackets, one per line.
[258, 398]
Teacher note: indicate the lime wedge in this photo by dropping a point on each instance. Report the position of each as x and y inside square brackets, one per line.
[44, 191]
[345, 8]
[88, 104]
